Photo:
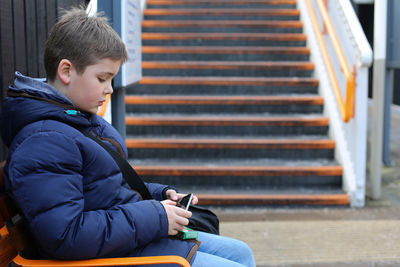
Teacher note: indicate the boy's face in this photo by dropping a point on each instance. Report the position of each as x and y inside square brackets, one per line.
[88, 90]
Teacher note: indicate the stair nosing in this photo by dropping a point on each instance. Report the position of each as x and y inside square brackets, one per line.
[267, 65]
[162, 170]
[224, 36]
[270, 2]
[222, 50]
[187, 143]
[222, 23]
[224, 121]
[286, 199]
[228, 11]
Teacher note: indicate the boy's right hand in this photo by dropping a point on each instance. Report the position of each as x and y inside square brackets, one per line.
[177, 217]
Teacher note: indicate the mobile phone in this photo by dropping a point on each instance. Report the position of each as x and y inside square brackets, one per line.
[184, 203]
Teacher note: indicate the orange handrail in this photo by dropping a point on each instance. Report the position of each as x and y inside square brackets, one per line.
[103, 108]
[346, 108]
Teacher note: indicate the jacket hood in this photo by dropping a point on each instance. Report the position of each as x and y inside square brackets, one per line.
[32, 100]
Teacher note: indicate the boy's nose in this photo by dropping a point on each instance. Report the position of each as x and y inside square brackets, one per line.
[109, 89]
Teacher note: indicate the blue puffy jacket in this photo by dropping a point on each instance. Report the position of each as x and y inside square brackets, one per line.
[70, 190]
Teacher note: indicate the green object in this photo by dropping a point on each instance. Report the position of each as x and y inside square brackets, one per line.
[187, 233]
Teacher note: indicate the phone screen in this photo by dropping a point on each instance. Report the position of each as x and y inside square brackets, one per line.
[185, 201]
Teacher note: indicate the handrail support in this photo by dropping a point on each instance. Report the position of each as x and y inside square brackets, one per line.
[346, 106]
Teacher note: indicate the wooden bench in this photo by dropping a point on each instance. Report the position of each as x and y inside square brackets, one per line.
[14, 238]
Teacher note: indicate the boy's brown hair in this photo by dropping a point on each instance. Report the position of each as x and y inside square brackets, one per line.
[82, 39]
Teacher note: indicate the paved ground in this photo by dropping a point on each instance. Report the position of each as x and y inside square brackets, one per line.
[326, 236]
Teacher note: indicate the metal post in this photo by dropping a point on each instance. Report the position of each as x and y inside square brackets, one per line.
[389, 78]
[125, 16]
[118, 111]
[112, 10]
[378, 87]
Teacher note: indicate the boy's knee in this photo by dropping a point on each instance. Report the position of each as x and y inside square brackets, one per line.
[246, 254]
[243, 246]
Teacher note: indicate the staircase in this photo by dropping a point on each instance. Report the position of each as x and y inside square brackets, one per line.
[228, 108]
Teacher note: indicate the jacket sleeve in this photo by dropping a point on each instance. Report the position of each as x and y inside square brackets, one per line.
[47, 184]
[157, 191]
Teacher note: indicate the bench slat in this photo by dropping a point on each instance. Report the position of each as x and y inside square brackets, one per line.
[2, 163]
[4, 210]
[7, 208]
[7, 250]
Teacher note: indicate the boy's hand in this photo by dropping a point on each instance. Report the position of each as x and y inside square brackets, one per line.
[174, 196]
[177, 217]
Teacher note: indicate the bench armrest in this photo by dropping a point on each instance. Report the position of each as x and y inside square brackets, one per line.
[104, 262]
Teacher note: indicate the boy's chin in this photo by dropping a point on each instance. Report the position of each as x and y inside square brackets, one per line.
[91, 111]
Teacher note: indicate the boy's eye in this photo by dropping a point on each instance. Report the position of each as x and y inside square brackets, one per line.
[101, 80]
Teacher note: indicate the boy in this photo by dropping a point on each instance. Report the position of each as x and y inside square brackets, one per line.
[69, 189]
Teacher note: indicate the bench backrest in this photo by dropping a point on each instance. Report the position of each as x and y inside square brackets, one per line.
[13, 235]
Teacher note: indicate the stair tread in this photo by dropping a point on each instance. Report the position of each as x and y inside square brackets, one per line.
[266, 170]
[230, 116]
[232, 143]
[223, 23]
[208, 198]
[222, 100]
[280, 198]
[223, 50]
[262, 163]
[219, 11]
[225, 120]
[207, 80]
[224, 36]
[266, 194]
[230, 2]
[227, 65]
[235, 171]
[246, 137]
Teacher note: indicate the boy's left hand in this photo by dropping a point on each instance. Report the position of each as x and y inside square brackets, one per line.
[174, 196]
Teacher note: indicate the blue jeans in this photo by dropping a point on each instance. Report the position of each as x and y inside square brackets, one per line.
[222, 251]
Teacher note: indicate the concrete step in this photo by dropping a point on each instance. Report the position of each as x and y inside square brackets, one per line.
[224, 39]
[198, 177]
[277, 199]
[156, 124]
[224, 85]
[229, 69]
[227, 107]
[219, 53]
[229, 148]
[165, 4]
[226, 26]
[223, 104]
[272, 164]
[221, 14]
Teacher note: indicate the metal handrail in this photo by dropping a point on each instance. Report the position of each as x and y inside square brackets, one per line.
[346, 108]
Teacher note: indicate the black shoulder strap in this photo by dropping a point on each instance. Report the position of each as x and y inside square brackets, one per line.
[129, 174]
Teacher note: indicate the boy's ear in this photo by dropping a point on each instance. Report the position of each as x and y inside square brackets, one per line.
[64, 71]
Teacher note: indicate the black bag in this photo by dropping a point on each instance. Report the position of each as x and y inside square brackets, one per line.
[202, 219]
